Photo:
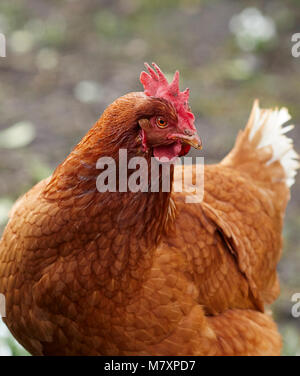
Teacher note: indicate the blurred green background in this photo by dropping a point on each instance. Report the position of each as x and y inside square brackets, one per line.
[67, 60]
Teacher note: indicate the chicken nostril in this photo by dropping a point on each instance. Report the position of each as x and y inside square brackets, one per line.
[188, 132]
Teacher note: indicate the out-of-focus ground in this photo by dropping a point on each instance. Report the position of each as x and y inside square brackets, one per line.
[67, 60]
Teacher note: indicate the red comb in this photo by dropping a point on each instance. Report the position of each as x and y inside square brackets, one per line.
[156, 85]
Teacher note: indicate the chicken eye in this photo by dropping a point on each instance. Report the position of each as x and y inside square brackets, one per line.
[161, 122]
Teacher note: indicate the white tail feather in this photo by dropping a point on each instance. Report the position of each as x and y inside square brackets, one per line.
[270, 125]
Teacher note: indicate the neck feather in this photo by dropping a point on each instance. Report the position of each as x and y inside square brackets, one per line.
[127, 226]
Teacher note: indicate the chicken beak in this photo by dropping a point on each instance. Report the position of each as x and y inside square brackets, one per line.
[192, 140]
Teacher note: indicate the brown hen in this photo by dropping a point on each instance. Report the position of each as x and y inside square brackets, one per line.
[146, 273]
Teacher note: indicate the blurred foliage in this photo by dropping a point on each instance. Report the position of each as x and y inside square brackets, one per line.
[67, 59]
[17, 136]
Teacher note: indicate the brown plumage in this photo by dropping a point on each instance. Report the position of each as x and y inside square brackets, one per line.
[89, 273]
